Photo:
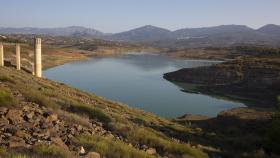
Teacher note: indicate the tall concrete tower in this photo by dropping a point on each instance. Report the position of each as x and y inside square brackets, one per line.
[38, 57]
[1, 55]
[18, 56]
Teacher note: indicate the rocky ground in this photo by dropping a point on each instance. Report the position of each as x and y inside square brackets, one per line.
[28, 124]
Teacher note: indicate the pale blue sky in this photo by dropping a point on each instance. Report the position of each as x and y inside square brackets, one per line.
[121, 15]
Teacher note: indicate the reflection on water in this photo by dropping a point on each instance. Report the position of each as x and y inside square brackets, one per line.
[137, 81]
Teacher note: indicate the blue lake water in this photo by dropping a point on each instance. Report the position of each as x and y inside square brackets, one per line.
[136, 79]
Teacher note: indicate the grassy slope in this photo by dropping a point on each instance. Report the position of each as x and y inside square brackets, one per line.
[136, 126]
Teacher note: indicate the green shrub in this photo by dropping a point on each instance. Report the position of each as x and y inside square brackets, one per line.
[51, 150]
[37, 97]
[278, 102]
[91, 111]
[17, 156]
[6, 99]
[5, 154]
[6, 79]
[162, 143]
[110, 148]
[2, 151]
[272, 138]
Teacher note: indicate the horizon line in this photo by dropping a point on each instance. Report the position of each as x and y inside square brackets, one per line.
[140, 26]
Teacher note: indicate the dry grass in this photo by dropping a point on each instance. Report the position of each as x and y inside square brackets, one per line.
[51, 150]
[6, 99]
[111, 148]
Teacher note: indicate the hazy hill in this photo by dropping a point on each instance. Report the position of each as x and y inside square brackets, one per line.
[206, 31]
[146, 33]
[63, 31]
[224, 35]
[270, 29]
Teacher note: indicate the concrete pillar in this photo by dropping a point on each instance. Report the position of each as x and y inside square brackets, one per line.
[1, 55]
[18, 56]
[33, 69]
[38, 58]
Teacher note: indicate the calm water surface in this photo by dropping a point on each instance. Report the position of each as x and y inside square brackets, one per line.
[136, 79]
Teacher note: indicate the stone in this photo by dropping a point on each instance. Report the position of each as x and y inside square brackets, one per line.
[17, 145]
[144, 147]
[3, 110]
[151, 151]
[93, 155]
[29, 116]
[58, 141]
[14, 116]
[82, 151]
[16, 142]
[20, 134]
[3, 122]
[52, 118]
[38, 111]
[43, 125]
[79, 127]
[10, 129]
[46, 114]
[42, 134]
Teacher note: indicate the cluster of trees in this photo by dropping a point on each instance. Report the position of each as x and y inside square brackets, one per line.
[272, 134]
[9, 40]
[258, 50]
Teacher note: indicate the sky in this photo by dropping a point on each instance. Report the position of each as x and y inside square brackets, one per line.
[120, 15]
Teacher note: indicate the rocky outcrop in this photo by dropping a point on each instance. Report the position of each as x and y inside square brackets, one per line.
[254, 78]
[93, 155]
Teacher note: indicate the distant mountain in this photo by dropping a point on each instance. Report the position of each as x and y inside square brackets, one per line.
[146, 33]
[221, 40]
[224, 35]
[67, 31]
[270, 29]
[207, 31]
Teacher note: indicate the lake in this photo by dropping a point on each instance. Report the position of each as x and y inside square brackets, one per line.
[137, 79]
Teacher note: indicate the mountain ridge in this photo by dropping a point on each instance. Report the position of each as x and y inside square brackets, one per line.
[60, 31]
[225, 35]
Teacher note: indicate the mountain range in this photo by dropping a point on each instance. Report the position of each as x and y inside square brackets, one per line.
[224, 35]
[62, 31]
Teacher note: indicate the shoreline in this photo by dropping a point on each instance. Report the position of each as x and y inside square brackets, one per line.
[88, 57]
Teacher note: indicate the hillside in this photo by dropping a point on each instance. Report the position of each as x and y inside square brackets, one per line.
[39, 116]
